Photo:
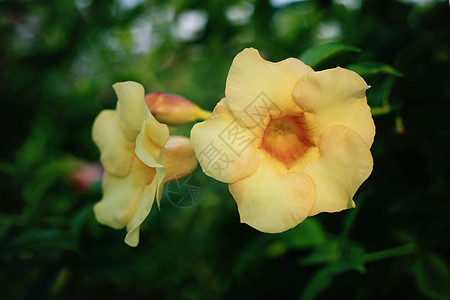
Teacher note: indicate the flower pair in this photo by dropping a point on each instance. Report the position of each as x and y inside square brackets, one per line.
[289, 141]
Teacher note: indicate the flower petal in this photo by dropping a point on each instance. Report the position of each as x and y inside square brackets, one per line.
[273, 199]
[150, 148]
[226, 150]
[116, 151]
[151, 141]
[335, 96]
[131, 107]
[343, 162]
[132, 237]
[256, 87]
[179, 159]
[122, 196]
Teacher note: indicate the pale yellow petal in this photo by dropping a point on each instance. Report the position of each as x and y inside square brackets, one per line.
[116, 151]
[225, 149]
[273, 199]
[122, 195]
[179, 158]
[132, 237]
[150, 148]
[335, 96]
[256, 87]
[131, 107]
[340, 165]
[151, 141]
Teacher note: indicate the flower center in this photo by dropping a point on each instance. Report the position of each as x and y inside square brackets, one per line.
[286, 139]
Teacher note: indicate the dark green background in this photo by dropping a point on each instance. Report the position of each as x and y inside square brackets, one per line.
[58, 60]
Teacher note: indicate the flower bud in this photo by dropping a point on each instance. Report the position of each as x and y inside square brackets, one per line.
[174, 109]
[180, 160]
[85, 176]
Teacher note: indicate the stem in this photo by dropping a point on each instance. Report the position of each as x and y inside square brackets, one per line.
[381, 110]
[203, 114]
[394, 252]
[350, 221]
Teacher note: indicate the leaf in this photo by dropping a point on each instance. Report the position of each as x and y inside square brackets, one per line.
[432, 276]
[43, 179]
[316, 55]
[35, 239]
[379, 103]
[309, 233]
[80, 219]
[326, 254]
[6, 223]
[250, 255]
[374, 68]
[321, 280]
[345, 254]
[34, 149]
[7, 168]
[338, 257]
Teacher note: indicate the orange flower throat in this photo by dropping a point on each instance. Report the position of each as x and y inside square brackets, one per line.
[286, 139]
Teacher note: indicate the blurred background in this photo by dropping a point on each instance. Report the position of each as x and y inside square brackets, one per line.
[58, 60]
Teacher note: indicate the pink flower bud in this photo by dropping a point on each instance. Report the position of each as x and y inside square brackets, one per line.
[86, 175]
[174, 109]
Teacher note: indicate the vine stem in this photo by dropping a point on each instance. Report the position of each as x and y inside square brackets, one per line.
[389, 253]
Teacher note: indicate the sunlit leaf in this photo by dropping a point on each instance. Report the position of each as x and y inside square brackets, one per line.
[373, 68]
[320, 53]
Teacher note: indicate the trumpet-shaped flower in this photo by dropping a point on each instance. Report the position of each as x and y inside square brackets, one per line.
[291, 142]
[139, 157]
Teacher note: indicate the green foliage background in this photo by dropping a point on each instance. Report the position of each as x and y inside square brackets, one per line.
[58, 60]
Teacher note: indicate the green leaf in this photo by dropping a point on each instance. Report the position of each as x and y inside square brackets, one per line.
[8, 168]
[379, 103]
[309, 233]
[35, 239]
[321, 280]
[374, 68]
[44, 178]
[250, 254]
[6, 223]
[81, 218]
[346, 255]
[316, 55]
[338, 257]
[432, 276]
[34, 149]
[326, 254]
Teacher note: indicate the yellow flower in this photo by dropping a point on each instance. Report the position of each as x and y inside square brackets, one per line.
[139, 157]
[291, 142]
